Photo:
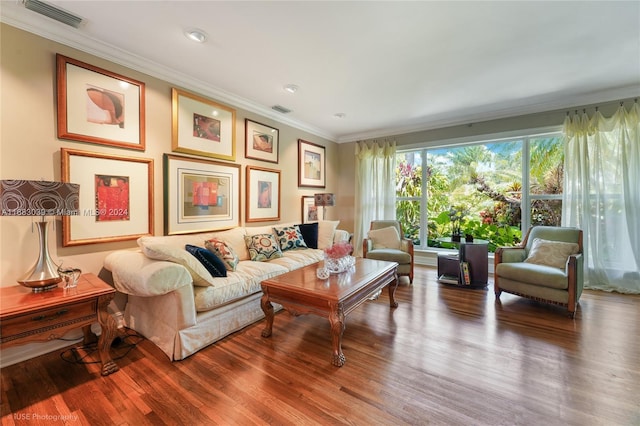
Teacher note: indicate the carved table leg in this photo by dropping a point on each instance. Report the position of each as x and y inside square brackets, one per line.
[109, 330]
[336, 319]
[392, 292]
[267, 308]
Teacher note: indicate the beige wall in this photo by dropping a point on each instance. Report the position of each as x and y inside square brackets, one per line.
[30, 148]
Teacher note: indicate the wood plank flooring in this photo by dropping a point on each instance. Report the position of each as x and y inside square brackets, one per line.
[445, 356]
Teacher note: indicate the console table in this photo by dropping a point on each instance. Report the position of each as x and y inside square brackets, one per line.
[26, 316]
[475, 253]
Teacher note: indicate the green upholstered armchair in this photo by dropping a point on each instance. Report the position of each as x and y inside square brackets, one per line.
[392, 247]
[547, 267]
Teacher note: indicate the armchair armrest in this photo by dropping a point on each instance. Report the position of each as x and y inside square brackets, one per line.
[367, 245]
[509, 255]
[406, 245]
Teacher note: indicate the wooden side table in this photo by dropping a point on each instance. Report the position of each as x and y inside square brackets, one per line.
[26, 316]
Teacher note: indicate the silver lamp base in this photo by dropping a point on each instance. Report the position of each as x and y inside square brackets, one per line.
[44, 274]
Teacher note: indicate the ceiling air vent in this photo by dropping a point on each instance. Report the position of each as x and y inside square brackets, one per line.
[281, 109]
[53, 12]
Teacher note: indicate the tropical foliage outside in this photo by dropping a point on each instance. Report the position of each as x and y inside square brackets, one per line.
[478, 189]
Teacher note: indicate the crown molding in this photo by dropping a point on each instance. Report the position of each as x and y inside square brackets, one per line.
[502, 112]
[16, 16]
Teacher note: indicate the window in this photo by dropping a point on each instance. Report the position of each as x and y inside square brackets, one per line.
[483, 184]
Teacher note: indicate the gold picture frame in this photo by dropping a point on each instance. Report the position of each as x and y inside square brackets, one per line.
[201, 126]
[116, 197]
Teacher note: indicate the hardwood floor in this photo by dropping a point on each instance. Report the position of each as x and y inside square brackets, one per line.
[445, 356]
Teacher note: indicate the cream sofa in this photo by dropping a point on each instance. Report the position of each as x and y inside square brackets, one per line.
[177, 304]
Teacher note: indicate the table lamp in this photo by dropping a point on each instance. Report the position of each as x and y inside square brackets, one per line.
[324, 200]
[39, 198]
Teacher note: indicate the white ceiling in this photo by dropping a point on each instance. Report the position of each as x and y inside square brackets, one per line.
[391, 67]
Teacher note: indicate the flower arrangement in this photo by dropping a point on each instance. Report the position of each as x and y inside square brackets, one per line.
[337, 258]
[338, 250]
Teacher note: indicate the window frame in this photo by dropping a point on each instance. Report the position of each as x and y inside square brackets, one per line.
[525, 136]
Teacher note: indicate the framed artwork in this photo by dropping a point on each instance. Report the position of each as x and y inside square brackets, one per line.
[311, 164]
[310, 212]
[263, 194]
[202, 127]
[99, 106]
[116, 197]
[200, 195]
[262, 142]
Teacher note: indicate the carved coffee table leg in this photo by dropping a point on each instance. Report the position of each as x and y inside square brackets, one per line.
[267, 308]
[392, 292]
[109, 330]
[336, 319]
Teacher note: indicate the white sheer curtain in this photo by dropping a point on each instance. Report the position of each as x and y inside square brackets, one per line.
[602, 195]
[375, 191]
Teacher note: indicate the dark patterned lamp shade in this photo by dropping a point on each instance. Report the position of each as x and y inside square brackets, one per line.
[324, 200]
[39, 198]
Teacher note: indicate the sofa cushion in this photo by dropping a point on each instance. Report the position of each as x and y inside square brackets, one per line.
[326, 230]
[391, 255]
[162, 251]
[295, 259]
[237, 285]
[530, 273]
[262, 247]
[385, 238]
[210, 261]
[224, 252]
[309, 233]
[289, 238]
[551, 253]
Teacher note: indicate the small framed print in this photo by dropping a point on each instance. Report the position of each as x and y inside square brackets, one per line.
[262, 142]
[116, 197]
[200, 195]
[263, 194]
[311, 212]
[202, 127]
[311, 164]
[99, 106]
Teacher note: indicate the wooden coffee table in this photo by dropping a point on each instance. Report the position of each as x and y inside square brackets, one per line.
[301, 292]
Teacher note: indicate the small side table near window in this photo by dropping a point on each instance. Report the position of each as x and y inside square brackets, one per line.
[476, 256]
[27, 317]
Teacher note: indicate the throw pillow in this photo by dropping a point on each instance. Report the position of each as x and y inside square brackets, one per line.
[262, 247]
[160, 251]
[326, 230]
[385, 238]
[210, 261]
[224, 252]
[551, 253]
[309, 233]
[290, 238]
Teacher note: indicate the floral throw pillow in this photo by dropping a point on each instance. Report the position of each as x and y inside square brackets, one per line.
[262, 247]
[224, 252]
[290, 238]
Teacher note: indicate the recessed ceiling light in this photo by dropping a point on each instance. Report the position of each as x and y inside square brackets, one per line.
[196, 35]
[291, 88]
[340, 115]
